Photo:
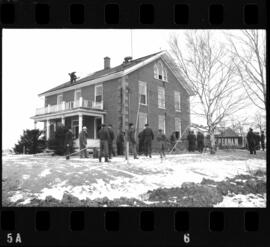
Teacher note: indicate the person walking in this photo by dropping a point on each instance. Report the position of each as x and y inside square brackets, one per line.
[83, 143]
[110, 141]
[103, 135]
[262, 140]
[68, 142]
[141, 143]
[131, 140]
[148, 136]
[200, 141]
[251, 141]
[120, 143]
[161, 139]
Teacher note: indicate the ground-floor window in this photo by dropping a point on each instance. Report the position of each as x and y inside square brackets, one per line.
[161, 123]
[142, 120]
[178, 127]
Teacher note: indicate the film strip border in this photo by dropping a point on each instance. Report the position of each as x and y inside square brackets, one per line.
[131, 14]
[136, 227]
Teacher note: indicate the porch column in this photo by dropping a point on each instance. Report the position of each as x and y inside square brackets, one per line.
[63, 120]
[47, 129]
[35, 124]
[102, 119]
[80, 122]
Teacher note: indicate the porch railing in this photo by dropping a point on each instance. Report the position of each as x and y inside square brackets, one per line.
[69, 106]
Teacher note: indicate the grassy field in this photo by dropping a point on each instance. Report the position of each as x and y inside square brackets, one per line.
[30, 180]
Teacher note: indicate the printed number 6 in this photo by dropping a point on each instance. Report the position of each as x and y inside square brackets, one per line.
[186, 238]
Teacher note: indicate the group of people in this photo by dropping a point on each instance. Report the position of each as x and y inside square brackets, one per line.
[106, 137]
[145, 138]
[193, 139]
[255, 141]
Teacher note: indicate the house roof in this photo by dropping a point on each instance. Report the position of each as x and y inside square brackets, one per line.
[228, 132]
[124, 67]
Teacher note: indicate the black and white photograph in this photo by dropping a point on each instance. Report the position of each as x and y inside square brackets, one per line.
[134, 118]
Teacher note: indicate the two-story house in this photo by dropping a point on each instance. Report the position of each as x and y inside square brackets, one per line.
[149, 89]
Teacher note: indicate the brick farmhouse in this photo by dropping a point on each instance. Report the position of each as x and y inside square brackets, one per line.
[149, 89]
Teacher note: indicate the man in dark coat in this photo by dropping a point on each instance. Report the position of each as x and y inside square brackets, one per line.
[68, 142]
[120, 140]
[103, 135]
[262, 140]
[110, 141]
[200, 141]
[148, 136]
[83, 143]
[251, 141]
[141, 143]
[191, 141]
[131, 140]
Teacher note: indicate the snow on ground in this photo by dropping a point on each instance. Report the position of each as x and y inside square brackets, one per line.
[249, 201]
[32, 176]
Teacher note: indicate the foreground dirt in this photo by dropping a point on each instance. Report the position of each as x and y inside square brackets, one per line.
[205, 194]
[186, 180]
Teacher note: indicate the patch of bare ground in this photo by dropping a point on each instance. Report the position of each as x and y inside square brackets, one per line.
[204, 194]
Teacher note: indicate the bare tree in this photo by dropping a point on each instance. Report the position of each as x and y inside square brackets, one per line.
[207, 67]
[249, 50]
[259, 121]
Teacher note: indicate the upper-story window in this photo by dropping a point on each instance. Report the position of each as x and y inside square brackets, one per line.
[99, 93]
[161, 97]
[177, 101]
[77, 94]
[59, 99]
[143, 93]
[160, 72]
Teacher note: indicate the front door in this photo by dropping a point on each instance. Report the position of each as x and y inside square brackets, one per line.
[97, 126]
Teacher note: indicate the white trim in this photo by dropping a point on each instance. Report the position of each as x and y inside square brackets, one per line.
[69, 113]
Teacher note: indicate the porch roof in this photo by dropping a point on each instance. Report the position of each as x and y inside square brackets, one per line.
[69, 113]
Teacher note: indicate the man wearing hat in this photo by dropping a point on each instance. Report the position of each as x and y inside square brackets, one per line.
[251, 141]
[148, 136]
[83, 143]
[103, 135]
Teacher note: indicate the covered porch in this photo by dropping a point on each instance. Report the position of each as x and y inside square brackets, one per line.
[74, 120]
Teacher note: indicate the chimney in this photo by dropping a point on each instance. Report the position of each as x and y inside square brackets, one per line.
[107, 63]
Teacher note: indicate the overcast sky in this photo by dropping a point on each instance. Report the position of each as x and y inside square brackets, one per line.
[36, 60]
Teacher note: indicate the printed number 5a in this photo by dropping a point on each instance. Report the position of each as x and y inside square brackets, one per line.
[186, 238]
[16, 238]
